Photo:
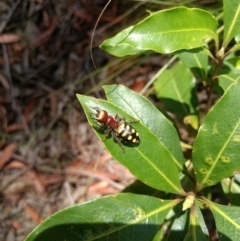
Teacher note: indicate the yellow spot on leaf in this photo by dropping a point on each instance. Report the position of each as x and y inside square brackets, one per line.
[225, 159]
[209, 161]
[203, 170]
[236, 138]
[139, 213]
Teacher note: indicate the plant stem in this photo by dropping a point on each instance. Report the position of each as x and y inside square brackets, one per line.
[213, 81]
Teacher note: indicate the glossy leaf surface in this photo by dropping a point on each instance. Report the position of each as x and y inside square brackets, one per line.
[195, 232]
[141, 108]
[200, 220]
[120, 217]
[227, 221]
[115, 47]
[179, 227]
[231, 20]
[165, 31]
[225, 80]
[150, 161]
[176, 89]
[197, 61]
[216, 149]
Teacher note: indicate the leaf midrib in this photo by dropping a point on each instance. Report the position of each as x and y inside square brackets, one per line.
[225, 216]
[231, 26]
[174, 31]
[179, 191]
[219, 155]
[200, 66]
[162, 208]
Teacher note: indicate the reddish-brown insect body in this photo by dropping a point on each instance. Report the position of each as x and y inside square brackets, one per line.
[117, 127]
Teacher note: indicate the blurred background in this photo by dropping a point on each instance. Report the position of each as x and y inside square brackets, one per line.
[49, 156]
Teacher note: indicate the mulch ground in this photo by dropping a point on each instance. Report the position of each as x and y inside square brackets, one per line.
[50, 157]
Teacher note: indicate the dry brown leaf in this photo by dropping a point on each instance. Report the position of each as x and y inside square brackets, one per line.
[15, 164]
[46, 18]
[6, 154]
[36, 218]
[33, 177]
[15, 224]
[50, 179]
[138, 85]
[18, 187]
[14, 127]
[100, 189]
[98, 186]
[8, 38]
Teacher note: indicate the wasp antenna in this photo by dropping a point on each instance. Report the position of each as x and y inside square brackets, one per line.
[94, 30]
[96, 108]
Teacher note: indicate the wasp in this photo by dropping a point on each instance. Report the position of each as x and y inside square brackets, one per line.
[117, 127]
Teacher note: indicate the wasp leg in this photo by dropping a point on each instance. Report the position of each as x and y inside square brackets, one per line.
[132, 121]
[118, 140]
[107, 132]
[99, 127]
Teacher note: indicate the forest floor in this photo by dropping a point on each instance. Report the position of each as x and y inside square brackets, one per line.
[50, 157]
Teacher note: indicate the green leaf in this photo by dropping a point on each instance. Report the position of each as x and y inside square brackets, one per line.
[216, 149]
[141, 108]
[197, 61]
[192, 120]
[227, 221]
[237, 38]
[195, 232]
[115, 47]
[225, 80]
[231, 20]
[119, 217]
[233, 64]
[200, 219]
[176, 87]
[179, 225]
[150, 161]
[166, 31]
